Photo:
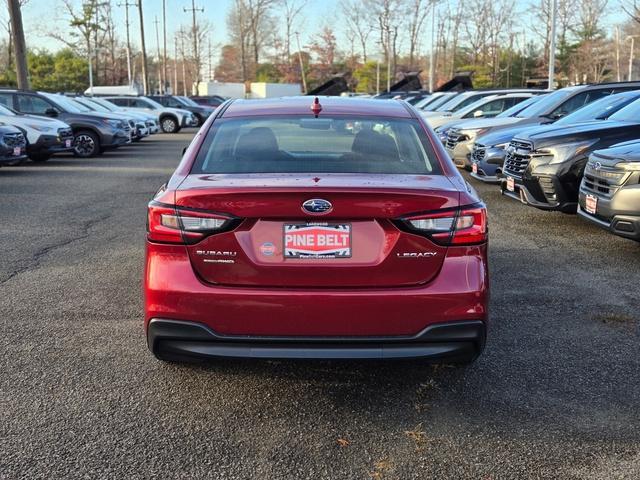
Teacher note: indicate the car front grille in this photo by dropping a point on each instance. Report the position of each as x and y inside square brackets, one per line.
[12, 140]
[64, 133]
[478, 153]
[453, 138]
[518, 157]
[603, 181]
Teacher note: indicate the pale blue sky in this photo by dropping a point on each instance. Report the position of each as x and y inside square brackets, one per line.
[43, 16]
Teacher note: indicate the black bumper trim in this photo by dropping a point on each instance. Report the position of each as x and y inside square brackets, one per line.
[454, 341]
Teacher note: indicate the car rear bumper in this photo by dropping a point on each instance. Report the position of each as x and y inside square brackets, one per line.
[460, 292]
[447, 341]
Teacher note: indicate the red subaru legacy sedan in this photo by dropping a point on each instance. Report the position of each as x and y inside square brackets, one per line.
[326, 228]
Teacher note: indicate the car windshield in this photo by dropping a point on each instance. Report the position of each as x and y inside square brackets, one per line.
[81, 106]
[155, 104]
[66, 103]
[544, 105]
[518, 107]
[6, 111]
[292, 144]
[439, 101]
[477, 105]
[459, 102]
[91, 106]
[104, 103]
[630, 113]
[187, 101]
[451, 104]
[600, 109]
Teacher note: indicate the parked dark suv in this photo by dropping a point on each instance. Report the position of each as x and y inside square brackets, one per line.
[201, 112]
[488, 151]
[13, 145]
[610, 190]
[543, 167]
[94, 132]
[548, 109]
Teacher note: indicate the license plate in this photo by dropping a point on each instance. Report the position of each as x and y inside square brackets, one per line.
[17, 151]
[511, 184]
[474, 167]
[317, 240]
[67, 143]
[591, 204]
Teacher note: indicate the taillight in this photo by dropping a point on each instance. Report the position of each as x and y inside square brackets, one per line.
[168, 224]
[467, 226]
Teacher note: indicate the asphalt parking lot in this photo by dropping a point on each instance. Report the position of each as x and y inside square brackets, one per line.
[555, 395]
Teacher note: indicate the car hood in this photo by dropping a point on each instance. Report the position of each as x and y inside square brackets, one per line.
[137, 114]
[8, 128]
[101, 115]
[177, 110]
[503, 135]
[490, 122]
[581, 131]
[626, 151]
[40, 121]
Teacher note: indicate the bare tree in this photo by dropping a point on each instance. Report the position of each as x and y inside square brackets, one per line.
[417, 13]
[238, 27]
[291, 10]
[358, 23]
[387, 16]
[258, 13]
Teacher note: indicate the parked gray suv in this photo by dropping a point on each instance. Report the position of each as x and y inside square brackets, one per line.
[610, 189]
[93, 132]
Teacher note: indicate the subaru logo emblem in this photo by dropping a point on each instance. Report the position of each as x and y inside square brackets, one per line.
[317, 206]
[597, 166]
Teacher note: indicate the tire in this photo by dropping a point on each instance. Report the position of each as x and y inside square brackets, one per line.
[86, 144]
[199, 121]
[169, 124]
[39, 157]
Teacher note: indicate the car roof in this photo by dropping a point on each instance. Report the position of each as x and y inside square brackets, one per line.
[301, 105]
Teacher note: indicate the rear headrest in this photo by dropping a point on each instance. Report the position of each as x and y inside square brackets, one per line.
[368, 142]
[259, 140]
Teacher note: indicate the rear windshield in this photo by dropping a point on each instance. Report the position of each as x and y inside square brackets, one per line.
[317, 145]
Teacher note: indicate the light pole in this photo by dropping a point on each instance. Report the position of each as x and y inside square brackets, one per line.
[145, 82]
[552, 45]
[126, 6]
[304, 77]
[160, 79]
[432, 65]
[632, 37]
[19, 44]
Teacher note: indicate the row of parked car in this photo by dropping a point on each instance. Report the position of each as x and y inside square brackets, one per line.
[38, 125]
[573, 150]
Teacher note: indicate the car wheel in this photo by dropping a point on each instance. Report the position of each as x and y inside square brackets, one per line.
[199, 122]
[39, 157]
[169, 125]
[86, 144]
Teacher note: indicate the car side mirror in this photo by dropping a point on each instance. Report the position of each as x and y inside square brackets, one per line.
[51, 112]
[478, 113]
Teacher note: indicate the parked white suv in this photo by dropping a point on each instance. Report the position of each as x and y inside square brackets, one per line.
[171, 119]
[150, 119]
[45, 136]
